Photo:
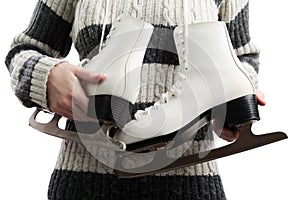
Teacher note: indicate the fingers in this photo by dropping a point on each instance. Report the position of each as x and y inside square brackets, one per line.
[88, 76]
[225, 133]
[65, 94]
[229, 135]
[65, 113]
[260, 96]
[80, 103]
[79, 96]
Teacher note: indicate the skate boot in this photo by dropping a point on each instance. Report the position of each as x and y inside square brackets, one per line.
[210, 76]
[212, 84]
[120, 61]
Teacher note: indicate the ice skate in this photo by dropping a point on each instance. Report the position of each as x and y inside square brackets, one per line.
[212, 84]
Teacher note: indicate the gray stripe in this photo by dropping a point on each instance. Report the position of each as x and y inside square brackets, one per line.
[17, 49]
[250, 60]
[22, 90]
[239, 28]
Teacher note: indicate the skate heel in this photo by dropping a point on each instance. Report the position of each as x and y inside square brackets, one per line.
[110, 109]
[242, 111]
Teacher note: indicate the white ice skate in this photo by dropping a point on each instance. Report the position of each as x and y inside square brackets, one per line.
[212, 84]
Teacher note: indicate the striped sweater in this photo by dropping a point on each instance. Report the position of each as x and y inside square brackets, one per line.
[57, 24]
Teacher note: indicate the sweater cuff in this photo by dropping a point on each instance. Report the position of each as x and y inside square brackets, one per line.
[38, 90]
[29, 76]
[251, 72]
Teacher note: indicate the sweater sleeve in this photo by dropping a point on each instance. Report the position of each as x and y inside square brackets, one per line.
[235, 13]
[38, 49]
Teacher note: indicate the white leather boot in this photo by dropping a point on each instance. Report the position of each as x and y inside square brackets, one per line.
[120, 61]
[211, 78]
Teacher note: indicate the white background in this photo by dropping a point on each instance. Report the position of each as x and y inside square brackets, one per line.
[271, 172]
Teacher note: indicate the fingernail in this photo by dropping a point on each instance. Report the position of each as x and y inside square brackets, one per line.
[101, 77]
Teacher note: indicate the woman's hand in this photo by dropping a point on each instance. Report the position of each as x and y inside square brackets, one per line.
[231, 135]
[65, 94]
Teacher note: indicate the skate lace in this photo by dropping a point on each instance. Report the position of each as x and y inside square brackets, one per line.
[165, 98]
[114, 16]
[175, 90]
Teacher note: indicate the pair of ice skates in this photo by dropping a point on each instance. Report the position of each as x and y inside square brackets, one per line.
[211, 84]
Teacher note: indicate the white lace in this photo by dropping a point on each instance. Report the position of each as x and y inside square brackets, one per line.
[186, 21]
[114, 16]
[176, 89]
[165, 98]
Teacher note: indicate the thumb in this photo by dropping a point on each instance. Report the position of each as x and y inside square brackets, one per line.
[88, 76]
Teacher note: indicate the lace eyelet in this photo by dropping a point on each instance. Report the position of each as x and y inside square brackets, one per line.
[118, 19]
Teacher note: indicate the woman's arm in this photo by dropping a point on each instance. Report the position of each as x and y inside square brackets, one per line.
[235, 13]
[39, 48]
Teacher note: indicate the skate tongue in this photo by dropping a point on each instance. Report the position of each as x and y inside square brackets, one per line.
[246, 141]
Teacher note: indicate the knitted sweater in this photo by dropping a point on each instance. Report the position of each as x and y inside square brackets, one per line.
[56, 24]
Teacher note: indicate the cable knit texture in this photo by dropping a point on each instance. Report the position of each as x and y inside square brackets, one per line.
[56, 24]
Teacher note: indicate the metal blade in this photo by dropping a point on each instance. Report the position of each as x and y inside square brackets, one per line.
[246, 141]
[51, 128]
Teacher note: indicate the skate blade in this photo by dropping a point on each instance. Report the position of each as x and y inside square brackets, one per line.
[52, 128]
[246, 141]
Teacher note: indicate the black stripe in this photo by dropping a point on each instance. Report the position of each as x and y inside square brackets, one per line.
[22, 90]
[89, 38]
[239, 28]
[17, 49]
[49, 28]
[69, 185]
[161, 48]
[218, 2]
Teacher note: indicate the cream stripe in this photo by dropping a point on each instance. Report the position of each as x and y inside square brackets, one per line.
[151, 11]
[39, 79]
[248, 48]
[155, 80]
[25, 39]
[74, 157]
